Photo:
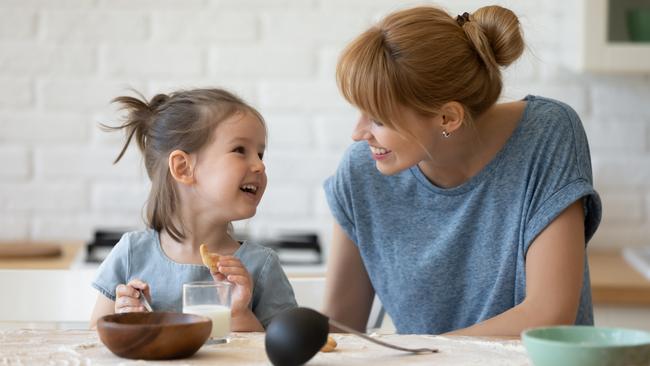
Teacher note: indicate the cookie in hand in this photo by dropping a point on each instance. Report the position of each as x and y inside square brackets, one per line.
[210, 260]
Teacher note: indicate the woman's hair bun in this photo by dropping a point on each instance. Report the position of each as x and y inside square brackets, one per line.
[503, 31]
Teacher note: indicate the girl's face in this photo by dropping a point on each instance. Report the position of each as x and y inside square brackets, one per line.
[392, 151]
[230, 174]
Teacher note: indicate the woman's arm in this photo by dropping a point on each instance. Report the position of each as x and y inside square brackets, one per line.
[348, 291]
[554, 271]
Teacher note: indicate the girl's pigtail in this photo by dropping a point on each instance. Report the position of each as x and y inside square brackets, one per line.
[140, 117]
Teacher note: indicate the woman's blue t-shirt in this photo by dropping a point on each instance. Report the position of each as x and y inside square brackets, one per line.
[443, 259]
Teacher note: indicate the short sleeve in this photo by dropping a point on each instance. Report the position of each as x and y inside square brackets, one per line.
[276, 293]
[114, 270]
[564, 176]
[338, 193]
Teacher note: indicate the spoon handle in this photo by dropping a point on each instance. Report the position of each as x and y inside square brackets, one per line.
[381, 343]
[145, 302]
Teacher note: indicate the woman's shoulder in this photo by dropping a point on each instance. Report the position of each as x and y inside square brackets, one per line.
[357, 164]
[549, 123]
[544, 111]
[357, 155]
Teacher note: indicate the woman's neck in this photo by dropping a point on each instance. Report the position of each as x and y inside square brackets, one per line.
[472, 148]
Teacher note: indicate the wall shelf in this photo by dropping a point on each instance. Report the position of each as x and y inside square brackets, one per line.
[599, 41]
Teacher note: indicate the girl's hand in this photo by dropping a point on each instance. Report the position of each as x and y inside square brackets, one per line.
[127, 297]
[231, 268]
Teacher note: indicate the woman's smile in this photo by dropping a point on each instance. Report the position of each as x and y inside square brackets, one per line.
[379, 153]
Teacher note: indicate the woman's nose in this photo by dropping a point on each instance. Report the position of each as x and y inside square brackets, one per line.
[361, 131]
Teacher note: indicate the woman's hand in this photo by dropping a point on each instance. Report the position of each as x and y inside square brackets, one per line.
[127, 297]
[231, 268]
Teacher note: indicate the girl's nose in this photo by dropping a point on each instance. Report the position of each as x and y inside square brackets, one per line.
[361, 130]
[258, 166]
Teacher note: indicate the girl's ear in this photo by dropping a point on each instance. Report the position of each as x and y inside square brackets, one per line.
[453, 116]
[180, 166]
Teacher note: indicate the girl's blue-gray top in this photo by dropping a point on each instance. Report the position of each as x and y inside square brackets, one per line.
[443, 259]
[138, 254]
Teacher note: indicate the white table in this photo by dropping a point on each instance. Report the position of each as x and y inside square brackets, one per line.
[83, 347]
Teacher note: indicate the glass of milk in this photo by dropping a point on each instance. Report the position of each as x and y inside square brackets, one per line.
[213, 300]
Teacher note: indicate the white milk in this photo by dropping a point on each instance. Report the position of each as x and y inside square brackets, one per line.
[219, 314]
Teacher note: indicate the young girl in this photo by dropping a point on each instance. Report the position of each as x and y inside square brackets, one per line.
[460, 213]
[203, 153]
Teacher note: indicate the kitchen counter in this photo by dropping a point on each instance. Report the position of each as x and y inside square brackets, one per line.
[70, 253]
[615, 282]
[71, 347]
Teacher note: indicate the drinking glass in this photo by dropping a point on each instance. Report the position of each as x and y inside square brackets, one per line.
[213, 300]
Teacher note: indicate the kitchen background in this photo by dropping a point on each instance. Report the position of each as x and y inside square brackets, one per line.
[62, 61]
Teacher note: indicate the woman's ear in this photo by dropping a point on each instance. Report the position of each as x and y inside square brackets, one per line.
[453, 116]
[180, 166]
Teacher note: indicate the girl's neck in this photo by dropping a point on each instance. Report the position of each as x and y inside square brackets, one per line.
[216, 238]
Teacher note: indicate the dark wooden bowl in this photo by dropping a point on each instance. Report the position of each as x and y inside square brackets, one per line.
[154, 336]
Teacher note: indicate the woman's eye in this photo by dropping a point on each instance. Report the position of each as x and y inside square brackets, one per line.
[377, 123]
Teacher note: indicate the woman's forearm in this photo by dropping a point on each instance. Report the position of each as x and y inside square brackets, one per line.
[512, 322]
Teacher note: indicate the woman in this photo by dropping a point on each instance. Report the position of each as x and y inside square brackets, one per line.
[462, 214]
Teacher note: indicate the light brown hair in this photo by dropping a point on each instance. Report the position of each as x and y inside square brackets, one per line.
[183, 120]
[422, 58]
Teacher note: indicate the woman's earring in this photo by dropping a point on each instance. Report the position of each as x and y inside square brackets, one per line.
[445, 134]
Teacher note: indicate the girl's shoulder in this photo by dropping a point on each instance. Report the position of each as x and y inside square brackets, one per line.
[258, 259]
[255, 254]
[137, 243]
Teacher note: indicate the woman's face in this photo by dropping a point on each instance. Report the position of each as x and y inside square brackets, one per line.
[392, 150]
[230, 174]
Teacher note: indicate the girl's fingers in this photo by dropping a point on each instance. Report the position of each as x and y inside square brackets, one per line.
[131, 309]
[139, 284]
[239, 280]
[230, 261]
[126, 301]
[240, 271]
[125, 290]
[218, 276]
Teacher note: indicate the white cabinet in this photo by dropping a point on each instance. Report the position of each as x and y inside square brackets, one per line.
[635, 317]
[597, 38]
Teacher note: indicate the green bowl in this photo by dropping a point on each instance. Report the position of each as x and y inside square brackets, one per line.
[587, 346]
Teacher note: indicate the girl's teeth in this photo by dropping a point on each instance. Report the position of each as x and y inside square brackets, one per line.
[249, 188]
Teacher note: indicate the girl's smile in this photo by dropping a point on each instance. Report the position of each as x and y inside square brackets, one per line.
[250, 190]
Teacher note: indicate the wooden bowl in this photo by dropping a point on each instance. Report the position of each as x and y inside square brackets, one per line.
[154, 336]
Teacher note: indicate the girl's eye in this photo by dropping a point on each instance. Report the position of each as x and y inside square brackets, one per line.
[239, 149]
[375, 122]
[261, 156]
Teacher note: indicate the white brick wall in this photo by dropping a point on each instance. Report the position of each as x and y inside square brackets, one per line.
[61, 62]
[17, 164]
